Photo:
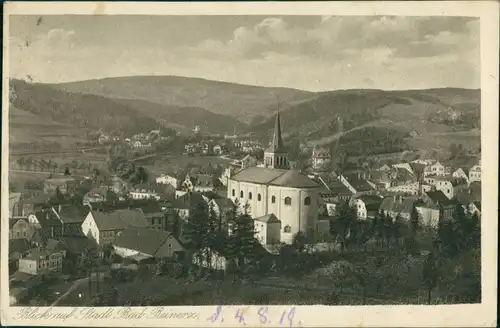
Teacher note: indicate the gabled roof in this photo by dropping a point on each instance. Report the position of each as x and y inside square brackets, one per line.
[144, 240]
[223, 202]
[293, 179]
[150, 208]
[119, 219]
[393, 204]
[478, 205]
[47, 219]
[13, 221]
[188, 200]
[437, 197]
[39, 253]
[268, 218]
[72, 213]
[18, 245]
[360, 184]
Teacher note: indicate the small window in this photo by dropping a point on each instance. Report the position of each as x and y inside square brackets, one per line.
[307, 201]
[249, 195]
[259, 197]
[234, 192]
[287, 229]
[169, 245]
[288, 201]
[241, 194]
[273, 199]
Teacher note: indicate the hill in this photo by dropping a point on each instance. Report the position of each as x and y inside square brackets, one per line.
[243, 102]
[77, 110]
[427, 114]
[42, 104]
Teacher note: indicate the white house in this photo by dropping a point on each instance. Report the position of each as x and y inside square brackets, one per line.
[268, 229]
[411, 188]
[460, 174]
[437, 169]
[144, 191]
[442, 183]
[170, 180]
[475, 173]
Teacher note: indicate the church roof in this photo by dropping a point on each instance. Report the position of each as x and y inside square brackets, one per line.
[274, 177]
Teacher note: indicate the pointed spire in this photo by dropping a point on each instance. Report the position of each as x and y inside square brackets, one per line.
[277, 140]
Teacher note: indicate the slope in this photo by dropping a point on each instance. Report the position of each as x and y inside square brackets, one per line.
[244, 102]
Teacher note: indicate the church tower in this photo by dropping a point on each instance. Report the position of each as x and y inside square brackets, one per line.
[276, 156]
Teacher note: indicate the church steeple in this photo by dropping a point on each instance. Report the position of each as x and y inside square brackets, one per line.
[276, 156]
[277, 140]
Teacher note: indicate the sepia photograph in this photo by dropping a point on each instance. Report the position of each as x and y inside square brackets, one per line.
[244, 160]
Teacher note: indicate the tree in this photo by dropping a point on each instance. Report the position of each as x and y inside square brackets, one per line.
[242, 241]
[299, 241]
[475, 234]
[414, 222]
[66, 171]
[429, 275]
[343, 224]
[396, 228]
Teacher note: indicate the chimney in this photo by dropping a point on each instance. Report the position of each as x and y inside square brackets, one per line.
[59, 208]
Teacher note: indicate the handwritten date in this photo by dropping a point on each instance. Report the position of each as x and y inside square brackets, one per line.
[263, 315]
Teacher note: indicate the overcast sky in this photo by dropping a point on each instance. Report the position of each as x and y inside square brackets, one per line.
[306, 52]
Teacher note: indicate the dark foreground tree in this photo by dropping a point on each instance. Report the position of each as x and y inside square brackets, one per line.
[430, 275]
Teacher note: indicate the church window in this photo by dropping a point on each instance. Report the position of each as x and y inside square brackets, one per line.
[287, 229]
[273, 199]
[249, 195]
[234, 193]
[288, 201]
[241, 194]
[259, 197]
[307, 201]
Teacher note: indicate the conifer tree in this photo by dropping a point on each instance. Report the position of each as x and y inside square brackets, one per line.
[345, 218]
[430, 275]
[414, 222]
[475, 234]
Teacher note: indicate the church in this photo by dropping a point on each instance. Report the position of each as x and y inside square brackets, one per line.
[275, 189]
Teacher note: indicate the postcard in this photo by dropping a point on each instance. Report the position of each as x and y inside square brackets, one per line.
[250, 164]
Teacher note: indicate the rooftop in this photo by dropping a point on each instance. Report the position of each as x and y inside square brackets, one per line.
[144, 240]
[119, 219]
[274, 177]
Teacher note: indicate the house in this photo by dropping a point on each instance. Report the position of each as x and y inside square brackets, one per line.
[147, 243]
[405, 166]
[367, 206]
[461, 173]
[20, 228]
[398, 205]
[340, 190]
[71, 218]
[381, 179]
[66, 185]
[99, 195]
[268, 229]
[212, 258]
[155, 215]
[103, 227]
[73, 248]
[222, 207]
[320, 157]
[443, 183]
[361, 185]
[437, 169]
[475, 173]
[411, 188]
[218, 149]
[184, 204]
[198, 183]
[41, 261]
[173, 180]
[145, 191]
[438, 200]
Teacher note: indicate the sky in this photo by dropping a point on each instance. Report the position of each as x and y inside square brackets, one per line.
[315, 53]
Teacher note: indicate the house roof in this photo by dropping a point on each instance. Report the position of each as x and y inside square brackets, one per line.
[72, 213]
[150, 208]
[188, 200]
[119, 219]
[360, 184]
[202, 180]
[371, 200]
[392, 204]
[478, 204]
[437, 197]
[39, 253]
[13, 221]
[418, 168]
[144, 240]
[47, 219]
[268, 218]
[339, 188]
[224, 202]
[275, 177]
[76, 244]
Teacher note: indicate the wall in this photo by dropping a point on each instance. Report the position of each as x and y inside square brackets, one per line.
[169, 247]
[429, 216]
[28, 266]
[90, 228]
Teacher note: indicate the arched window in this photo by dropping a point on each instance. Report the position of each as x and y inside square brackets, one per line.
[288, 201]
[259, 197]
[234, 192]
[287, 229]
[307, 201]
[241, 194]
[273, 199]
[249, 195]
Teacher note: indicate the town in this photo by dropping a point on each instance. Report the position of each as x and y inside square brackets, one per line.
[245, 219]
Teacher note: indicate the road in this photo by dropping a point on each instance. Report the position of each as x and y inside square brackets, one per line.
[61, 151]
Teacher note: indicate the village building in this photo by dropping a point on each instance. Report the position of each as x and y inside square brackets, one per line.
[173, 180]
[146, 191]
[274, 189]
[186, 203]
[144, 243]
[321, 157]
[366, 206]
[398, 205]
[443, 183]
[66, 185]
[41, 261]
[268, 229]
[20, 228]
[198, 183]
[103, 227]
[475, 173]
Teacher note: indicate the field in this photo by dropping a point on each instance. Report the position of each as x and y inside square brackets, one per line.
[442, 141]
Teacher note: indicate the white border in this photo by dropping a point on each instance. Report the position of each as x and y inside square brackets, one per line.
[477, 315]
